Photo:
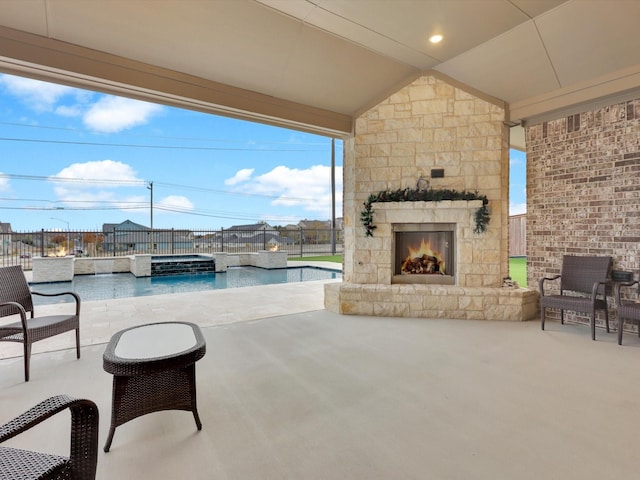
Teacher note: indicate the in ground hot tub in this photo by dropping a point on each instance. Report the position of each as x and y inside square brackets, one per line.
[179, 264]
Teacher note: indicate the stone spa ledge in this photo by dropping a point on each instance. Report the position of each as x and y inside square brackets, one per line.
[432, 301]
[63, 269]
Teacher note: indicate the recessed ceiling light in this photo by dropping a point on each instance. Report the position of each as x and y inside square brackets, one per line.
[435, 38]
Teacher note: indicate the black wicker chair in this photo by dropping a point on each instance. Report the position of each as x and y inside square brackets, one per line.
[583, 288]
[16, 299]
[628, 310]
[17, 464]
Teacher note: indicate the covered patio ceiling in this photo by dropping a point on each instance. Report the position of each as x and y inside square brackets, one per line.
[314, 65]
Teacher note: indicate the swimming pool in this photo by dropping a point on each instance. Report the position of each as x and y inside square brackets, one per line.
[122, 285]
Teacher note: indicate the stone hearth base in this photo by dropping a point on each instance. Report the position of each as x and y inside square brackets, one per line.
[432, 301]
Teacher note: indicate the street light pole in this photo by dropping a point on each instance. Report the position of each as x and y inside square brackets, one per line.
[150, 187]
[151, 244]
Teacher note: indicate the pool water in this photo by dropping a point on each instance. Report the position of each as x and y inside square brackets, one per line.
[122, 285]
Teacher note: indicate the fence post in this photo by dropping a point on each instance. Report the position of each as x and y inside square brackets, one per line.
[301, 241]
[173, 240]
[42, 242]
[333, 239]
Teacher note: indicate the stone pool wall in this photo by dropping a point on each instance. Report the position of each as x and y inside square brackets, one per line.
[62, 269]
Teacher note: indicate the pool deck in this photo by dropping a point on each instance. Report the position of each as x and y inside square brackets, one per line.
[102, 318]
[317, 395]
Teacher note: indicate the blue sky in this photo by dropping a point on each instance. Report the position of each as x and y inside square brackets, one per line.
[517, 182]
[207, 171]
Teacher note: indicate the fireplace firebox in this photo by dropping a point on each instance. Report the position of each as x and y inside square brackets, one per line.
[424, 253]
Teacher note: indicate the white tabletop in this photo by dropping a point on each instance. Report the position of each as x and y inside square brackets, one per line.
[155, 340]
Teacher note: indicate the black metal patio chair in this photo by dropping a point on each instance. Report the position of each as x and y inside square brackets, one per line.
[583, 288]
[18, 464]
[16, 299]
[628, 310]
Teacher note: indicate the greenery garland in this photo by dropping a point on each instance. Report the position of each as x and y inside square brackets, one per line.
[482, 215]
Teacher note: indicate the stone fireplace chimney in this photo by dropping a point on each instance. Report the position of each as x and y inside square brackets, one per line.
[436, 129]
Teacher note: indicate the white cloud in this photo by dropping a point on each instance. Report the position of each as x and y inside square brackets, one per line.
[40, 96]
[114, 114]
[112, 185]
[109, 114]
[175, 203]
[517, 208]
[4, 183]
[309, 189]
[240, 176]
[107, 170]
[69, 110]
[98, 183]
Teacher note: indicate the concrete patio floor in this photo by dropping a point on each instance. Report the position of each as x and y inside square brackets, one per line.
[309, 394]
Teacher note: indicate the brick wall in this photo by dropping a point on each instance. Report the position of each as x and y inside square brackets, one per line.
[583, 189]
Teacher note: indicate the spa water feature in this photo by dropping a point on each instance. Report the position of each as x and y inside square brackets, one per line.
[181, 264]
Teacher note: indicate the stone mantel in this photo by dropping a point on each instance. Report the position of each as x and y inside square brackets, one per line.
[477, 254]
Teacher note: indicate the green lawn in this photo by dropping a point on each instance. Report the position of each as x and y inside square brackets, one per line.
[518, 270]
[517, 266]
[322, 258]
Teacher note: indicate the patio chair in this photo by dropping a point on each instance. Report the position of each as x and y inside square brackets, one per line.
[80, 465]
[627, 310]
[16, 299]
[583, 284]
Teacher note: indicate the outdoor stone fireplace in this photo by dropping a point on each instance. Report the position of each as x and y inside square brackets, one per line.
[467, 258]
[442, 134]
[424, 253]
[460, 275]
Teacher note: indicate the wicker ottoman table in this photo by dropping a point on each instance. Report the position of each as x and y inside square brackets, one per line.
[153, 369]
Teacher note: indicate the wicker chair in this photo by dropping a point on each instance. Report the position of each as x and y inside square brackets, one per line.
[80, 465]
[583, 284]
[16, 299]
[627, 310]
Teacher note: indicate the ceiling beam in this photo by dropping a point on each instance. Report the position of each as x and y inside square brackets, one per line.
[42, 58]
[618, 86]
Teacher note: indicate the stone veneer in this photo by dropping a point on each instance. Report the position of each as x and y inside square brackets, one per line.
[477, 258]
[62, 269]
[430, 124]
[583, 190]
[52, 269]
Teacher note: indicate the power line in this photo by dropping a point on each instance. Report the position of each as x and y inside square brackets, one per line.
[138, 183]
[121, 205]
[133, 183]
[161, 137]
[224, 215]
[165, 147]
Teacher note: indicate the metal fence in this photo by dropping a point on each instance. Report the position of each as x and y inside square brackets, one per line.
[21, 247]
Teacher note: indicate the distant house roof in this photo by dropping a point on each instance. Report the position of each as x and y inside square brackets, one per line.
[5, 227]
[255, 226]
[315, 223]
[126, 225]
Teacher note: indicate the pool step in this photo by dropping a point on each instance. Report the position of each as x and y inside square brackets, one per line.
[178, 267]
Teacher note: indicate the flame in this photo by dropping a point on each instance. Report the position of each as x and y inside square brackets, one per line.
[61, 252]
[274, 248]
[425, 251]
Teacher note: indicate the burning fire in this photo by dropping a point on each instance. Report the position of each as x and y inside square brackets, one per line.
[274, 248]
[60, 252]
[423, 260]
